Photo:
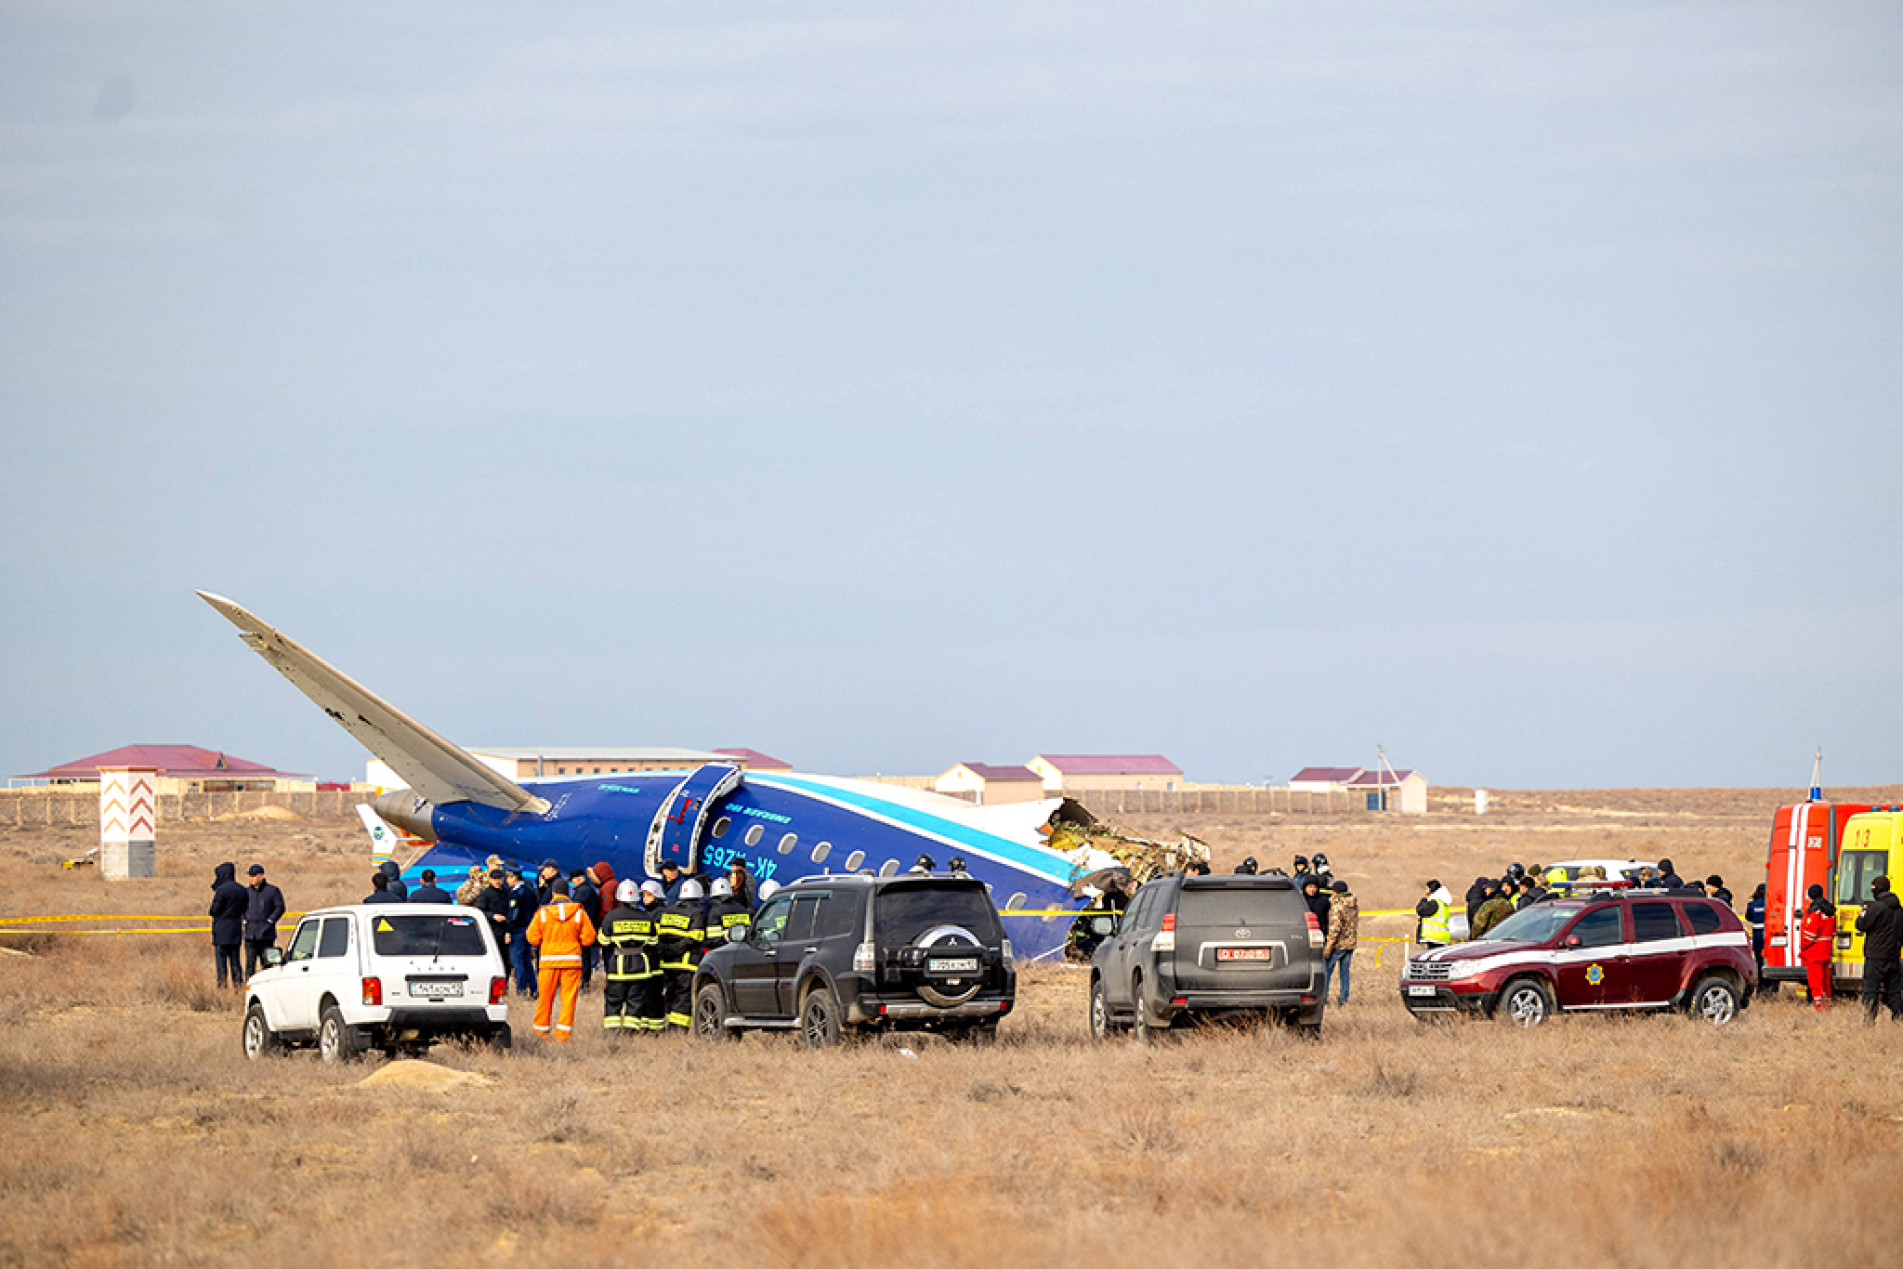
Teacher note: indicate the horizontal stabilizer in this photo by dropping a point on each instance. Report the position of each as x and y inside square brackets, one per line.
[434, 768]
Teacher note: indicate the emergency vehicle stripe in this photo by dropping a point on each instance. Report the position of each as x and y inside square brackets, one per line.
[1793, 884]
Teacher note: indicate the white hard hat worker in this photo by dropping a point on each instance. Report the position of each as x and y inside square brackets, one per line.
[690, 891]
[768, 889]
[653, 889]
[625, 892]
[721, 890]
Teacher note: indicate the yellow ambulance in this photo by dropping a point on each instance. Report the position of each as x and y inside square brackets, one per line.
[1872, 841]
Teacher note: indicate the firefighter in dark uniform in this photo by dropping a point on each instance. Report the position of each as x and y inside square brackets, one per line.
[727, 917]
[627, 946]
[681, 941]
[650, 1010]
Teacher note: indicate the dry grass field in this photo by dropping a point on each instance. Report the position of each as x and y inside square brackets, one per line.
[135, 1131]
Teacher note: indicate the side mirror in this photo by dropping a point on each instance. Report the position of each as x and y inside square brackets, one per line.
[1103, 926]
[1571, 940]
[273, 957]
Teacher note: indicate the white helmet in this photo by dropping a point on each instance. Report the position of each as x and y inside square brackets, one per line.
[690, 890]
[625, 892]
[768, 889]
[654, 888]
[720, 889]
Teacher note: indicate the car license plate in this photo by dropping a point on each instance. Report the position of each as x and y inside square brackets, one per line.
[955, 965]
[436, 991]
[1245, 953]
[1420, 989]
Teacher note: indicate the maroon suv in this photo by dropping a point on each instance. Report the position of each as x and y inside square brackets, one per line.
[1637, 949]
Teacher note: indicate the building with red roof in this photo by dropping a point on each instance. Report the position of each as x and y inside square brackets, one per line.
[992, 785]
[754, 760]
[1080, 772]
[182, 769]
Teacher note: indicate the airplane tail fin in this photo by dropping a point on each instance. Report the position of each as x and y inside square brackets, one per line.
[434, 768]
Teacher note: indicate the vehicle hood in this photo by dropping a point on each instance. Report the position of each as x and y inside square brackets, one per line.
[1479, 949]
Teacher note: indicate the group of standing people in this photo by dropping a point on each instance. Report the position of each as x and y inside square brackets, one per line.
[647, 939]
[242, 916]
[1881, 924]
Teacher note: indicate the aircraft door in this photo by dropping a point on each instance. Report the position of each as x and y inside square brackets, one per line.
[679, 826]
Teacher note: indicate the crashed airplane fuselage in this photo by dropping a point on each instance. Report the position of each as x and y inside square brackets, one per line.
[782, 826]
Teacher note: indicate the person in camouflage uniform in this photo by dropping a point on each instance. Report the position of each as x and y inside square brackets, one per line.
[1344, 932]
[1494, 909]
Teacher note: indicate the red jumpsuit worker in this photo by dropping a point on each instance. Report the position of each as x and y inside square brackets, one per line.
[1816, 939]
[560, 931]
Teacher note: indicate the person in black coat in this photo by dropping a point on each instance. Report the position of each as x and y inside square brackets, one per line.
[1319, 901]
[1668, 876]
[264, 908]
[393, 879]
[429, 891]
[380, 891]
[228, 905]
[1476, 895]
[1881, 924]
[586, 896]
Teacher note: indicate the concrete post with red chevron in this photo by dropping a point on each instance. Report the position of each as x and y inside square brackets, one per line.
[128, 822]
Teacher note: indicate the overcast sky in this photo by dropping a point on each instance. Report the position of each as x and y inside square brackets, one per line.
[884, 386]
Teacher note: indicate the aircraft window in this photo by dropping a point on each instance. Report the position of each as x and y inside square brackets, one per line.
[854, 860]
[890, 868]
[788, 842]
[755, 833]
[1015, 901]
[561, 771]
[720, 827]
[821, 851]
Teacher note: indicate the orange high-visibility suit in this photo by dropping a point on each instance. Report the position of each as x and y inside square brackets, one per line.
[560, 930]
[1816, 938]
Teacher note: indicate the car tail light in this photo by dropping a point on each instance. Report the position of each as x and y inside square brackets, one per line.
[1177, 1002]
[496, 987]
[373, 991]
[1315, 938]
[1308, 1000]
[865, 958]
[1004, 1006]
[1169, 923]
[1005, 950]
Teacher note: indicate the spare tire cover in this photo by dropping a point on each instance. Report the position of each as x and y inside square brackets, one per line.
[947, 992]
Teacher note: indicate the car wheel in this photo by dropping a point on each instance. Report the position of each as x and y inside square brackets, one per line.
[977, 1034]
[1527, 1002]
[1714, 1000]
[502, 1038]
[819, 1018]
[1143, 1028]
[710, 1010]
[259, 1039]
[336, 1042]
[1101, 1024]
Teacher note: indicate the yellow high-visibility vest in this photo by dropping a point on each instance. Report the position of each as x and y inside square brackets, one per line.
[1439, 927]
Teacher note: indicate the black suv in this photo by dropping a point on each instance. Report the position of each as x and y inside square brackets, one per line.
[1219, 946]
[831, 954]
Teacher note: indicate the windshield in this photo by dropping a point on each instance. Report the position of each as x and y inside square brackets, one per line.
[426, 936]
[905, 912]
[1237, 905]
[1536, 924]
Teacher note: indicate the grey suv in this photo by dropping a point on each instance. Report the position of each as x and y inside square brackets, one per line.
[828, 955]
[1223, 946]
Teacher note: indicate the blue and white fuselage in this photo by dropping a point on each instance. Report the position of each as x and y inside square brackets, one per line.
[783, 826]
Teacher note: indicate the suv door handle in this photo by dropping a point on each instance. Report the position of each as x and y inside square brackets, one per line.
[811, 950]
